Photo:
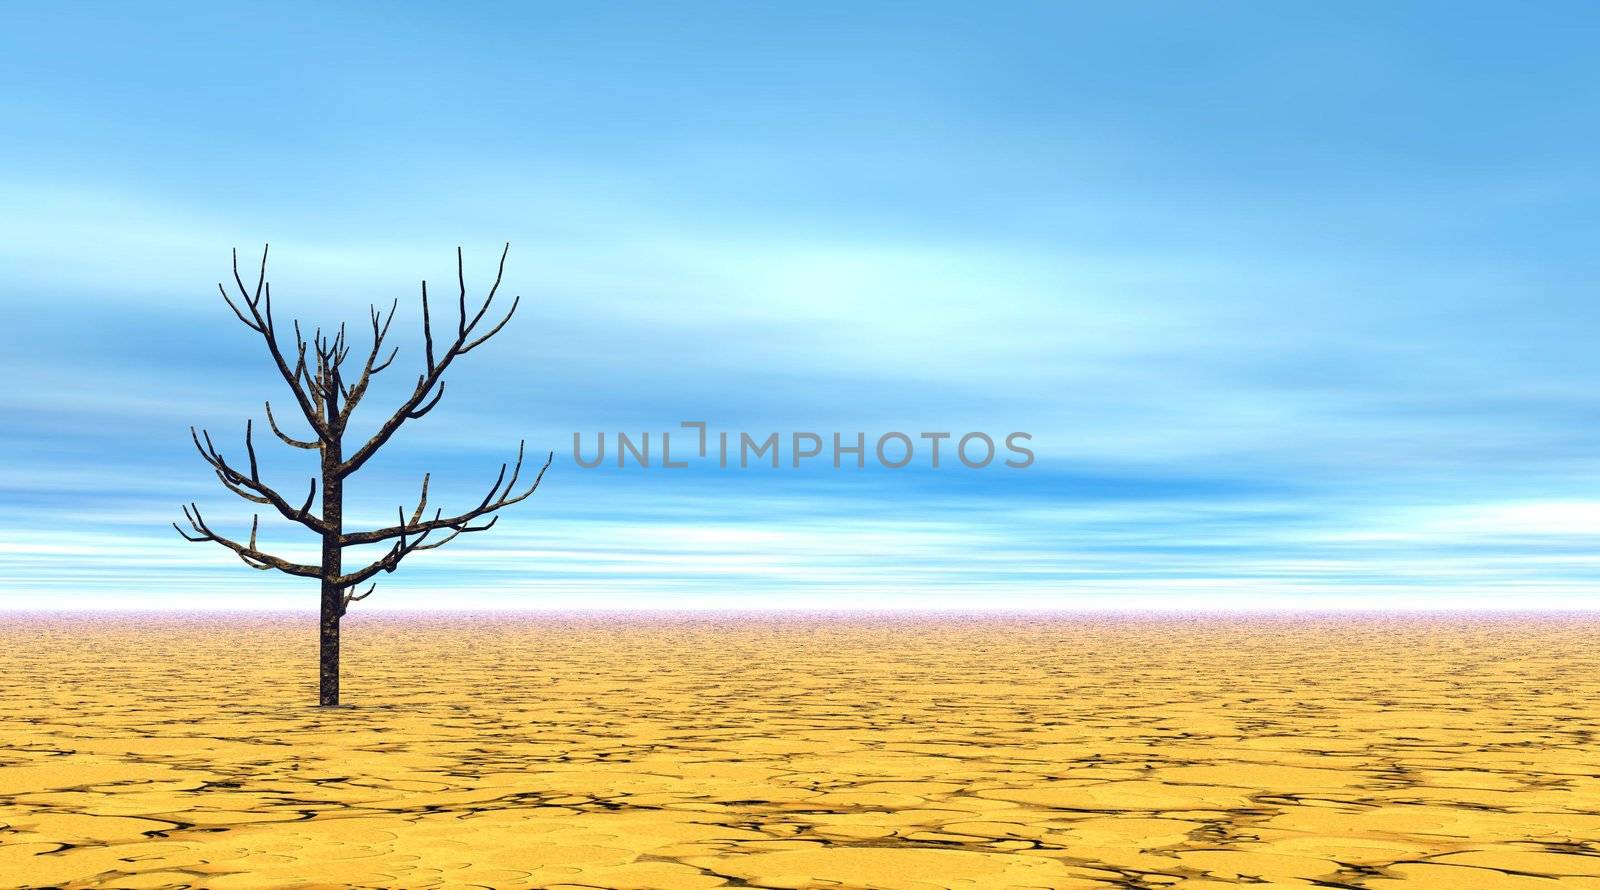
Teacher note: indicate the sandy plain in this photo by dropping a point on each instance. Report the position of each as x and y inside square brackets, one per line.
[1070, 752]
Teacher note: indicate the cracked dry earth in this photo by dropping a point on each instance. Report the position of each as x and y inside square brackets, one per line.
[803, 752]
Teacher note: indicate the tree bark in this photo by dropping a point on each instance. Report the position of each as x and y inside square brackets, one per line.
[332, 595]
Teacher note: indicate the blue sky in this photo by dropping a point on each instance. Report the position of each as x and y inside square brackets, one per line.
[1296, 301]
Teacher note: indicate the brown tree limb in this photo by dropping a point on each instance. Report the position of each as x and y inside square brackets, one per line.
[259, 304]
[350, 596]
[372, 366]
[287, 440]
[250, 487]
[389, 561]
[248, 553]
[499, 497]
[419, 403]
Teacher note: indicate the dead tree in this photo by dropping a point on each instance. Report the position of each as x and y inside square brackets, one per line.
[314, 371]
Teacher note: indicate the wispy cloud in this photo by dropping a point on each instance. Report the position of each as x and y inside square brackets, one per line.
[1295, 316]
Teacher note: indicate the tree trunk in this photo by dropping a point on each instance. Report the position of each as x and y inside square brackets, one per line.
[332, 596]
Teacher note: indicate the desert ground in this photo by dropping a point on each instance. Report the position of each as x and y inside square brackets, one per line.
[788, 751]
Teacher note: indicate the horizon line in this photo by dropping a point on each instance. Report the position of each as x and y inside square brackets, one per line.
[1368, 609]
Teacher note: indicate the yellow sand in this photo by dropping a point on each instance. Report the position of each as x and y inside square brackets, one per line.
[789, 752]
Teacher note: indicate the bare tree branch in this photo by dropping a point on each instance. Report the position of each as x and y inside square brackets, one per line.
[413, 407]
[250, 487]
[380, 330]
[285, 438]
[499, 497]
[389, 561]
[248, 553]
[350, 596]
[259, 305]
